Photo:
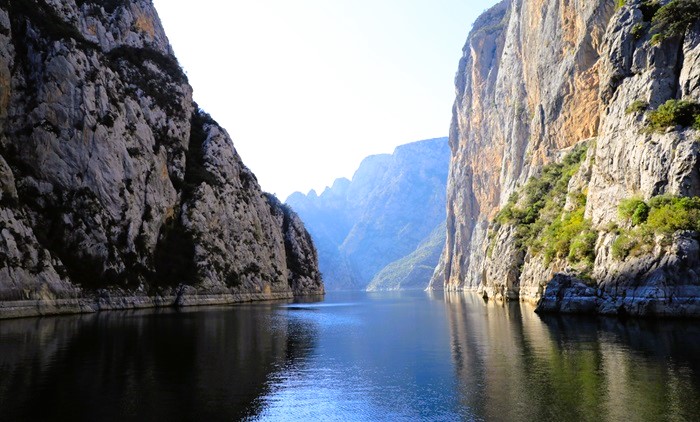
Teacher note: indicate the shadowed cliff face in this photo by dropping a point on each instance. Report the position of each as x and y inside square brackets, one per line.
[111, 177]
[538, 77]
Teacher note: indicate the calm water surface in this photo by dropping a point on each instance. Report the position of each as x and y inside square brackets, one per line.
[354, 356]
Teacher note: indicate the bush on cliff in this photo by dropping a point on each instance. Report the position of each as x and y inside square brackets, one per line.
[662, 216]
[542, 224]
[676, 17]
[547, 189]
[674, 113]
[634, 210]
[637, 106]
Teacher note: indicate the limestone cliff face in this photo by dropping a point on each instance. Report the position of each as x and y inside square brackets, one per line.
[527, 86]
[114, 181]
[538, 77]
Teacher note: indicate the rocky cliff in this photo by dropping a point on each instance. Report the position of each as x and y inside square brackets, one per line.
[385, 215]
[117, 191]
[575, 175]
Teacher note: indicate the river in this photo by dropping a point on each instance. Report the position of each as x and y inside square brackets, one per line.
[352, 356]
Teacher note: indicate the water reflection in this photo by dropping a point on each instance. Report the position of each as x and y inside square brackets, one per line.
[392, 356]
[512, 364]
[379, 357]
[197, 365]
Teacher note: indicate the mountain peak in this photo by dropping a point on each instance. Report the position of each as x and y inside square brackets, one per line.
[393, 202]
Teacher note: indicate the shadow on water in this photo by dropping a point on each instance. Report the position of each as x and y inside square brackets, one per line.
[151, 365]
[512, 364]
[392, 356]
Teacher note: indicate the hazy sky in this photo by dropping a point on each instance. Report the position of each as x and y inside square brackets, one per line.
[308, 88]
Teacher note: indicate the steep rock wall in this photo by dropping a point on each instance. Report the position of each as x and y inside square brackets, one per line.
[594, 77]
[113, 181]
[527, 86]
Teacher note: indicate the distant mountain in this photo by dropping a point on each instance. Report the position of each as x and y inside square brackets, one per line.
[391, 207]
[415, 269]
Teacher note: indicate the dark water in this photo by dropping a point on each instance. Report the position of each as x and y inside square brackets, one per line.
[408, 356]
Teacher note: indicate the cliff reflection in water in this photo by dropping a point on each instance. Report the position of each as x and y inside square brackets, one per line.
[512, 364]
[145, 365]
[394, 356]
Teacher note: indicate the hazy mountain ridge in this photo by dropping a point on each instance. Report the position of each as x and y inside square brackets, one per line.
[393, 203]
[415, 269]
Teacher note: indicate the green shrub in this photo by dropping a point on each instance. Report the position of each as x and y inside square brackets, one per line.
[676, 17]
[542, 225]
[679, 213]
[640, 215]
[569, 237]
[660, 201]
[623, 245]
[662, 216]
[637, 107]
[627, 207]
[673, 113]
[582, 248]
[634, 210]
[638, 30]
[656, 39]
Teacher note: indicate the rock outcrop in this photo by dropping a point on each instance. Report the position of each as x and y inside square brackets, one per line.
[382, 221]
[117, 190]
[539, 77]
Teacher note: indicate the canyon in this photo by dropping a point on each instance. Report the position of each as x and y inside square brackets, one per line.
[384, 229]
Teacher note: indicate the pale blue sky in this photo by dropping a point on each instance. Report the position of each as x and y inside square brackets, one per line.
[307, 88]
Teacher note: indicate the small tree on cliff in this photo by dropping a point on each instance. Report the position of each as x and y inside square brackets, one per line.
[676, 17]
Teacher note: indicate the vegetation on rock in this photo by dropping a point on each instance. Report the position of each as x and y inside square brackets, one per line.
[669, 20]
[108, 5]
[654, 221]
[676, 17]
[637, 106]
[197, 172]
[543, 225]
[674, 113]
[42, 16]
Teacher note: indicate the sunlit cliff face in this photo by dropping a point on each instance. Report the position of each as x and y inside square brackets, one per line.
[527, 87]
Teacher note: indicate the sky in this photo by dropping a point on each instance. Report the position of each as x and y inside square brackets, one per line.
[308, 88]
